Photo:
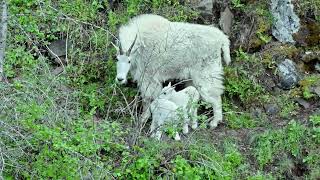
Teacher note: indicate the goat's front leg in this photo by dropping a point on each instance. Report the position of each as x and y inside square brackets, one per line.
[177, 137]
[149, 90]
[155, 130]
[157, 135]
[186, 121]
[194, 118]
[176, 133]
[153, 127]
[146, 110]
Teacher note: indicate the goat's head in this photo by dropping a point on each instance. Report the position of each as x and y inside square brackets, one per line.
[167, 91]
[123, 62]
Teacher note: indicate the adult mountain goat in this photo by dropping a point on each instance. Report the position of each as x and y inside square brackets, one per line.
[154, 50]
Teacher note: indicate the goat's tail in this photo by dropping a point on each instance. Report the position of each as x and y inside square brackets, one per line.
[226, 52]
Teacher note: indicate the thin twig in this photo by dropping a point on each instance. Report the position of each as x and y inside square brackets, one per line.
[127, 104]
[250, 33]
[56, 56]
[1, 163]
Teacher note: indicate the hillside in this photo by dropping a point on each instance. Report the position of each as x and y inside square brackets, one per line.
[63, 116]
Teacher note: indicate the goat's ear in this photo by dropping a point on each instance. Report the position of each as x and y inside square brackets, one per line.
[169, 85]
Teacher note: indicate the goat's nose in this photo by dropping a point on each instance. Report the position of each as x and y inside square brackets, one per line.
[120, 79]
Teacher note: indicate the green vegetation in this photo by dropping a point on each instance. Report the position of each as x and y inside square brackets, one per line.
[309, 5]
[236, 119]
[291, 140]
[237, 4]
[261, 22]
[307, 84]
[241, 84]
[287, 106]
[79, 124]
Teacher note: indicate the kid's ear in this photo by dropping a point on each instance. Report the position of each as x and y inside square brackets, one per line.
[169, 85]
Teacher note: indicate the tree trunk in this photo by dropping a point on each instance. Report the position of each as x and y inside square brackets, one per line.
[3, 34]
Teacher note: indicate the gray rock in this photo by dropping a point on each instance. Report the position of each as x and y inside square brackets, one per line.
[58, 47]
[268, 83]
[309, 56]
[225, 21]
[288, 74]
[312, 56]
[57, 70]
[256, 112]
[204, 6]
[243, 36]
[317, 66]
[286, 22]
[316, 113]
[277, 90]
[57, 50]
[316, 90]
[271, 109]
[303, 103]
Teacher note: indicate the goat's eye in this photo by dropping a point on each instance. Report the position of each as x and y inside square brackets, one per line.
[129, 62]
[165, 93]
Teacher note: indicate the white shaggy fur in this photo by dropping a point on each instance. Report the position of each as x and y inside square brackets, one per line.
[163, 111]
[166, 50]
[185, 99]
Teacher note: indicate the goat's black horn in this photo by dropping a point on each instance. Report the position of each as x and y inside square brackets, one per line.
[120, 48]
[129, 50]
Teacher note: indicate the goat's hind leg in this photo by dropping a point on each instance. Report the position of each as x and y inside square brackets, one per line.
[209, 83]
[213, 96]
[217, 110]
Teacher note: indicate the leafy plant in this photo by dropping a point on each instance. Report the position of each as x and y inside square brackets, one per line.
[294, 133]
[236, 119]
[241, 55]
[184, 170]
[18, 60]
[306, 85]
[272, 143]
[237, 4]
[315, 120]
[268, 145]
[287, 107]
[238, 84]
[265, 38]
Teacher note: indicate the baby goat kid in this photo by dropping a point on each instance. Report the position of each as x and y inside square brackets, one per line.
[186, 100]
[163, 111]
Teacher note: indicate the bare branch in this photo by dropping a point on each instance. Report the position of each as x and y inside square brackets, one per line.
[3, 35]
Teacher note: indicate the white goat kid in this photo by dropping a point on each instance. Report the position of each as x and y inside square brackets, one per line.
[185, 99]
[154, 50]
[163, 112]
